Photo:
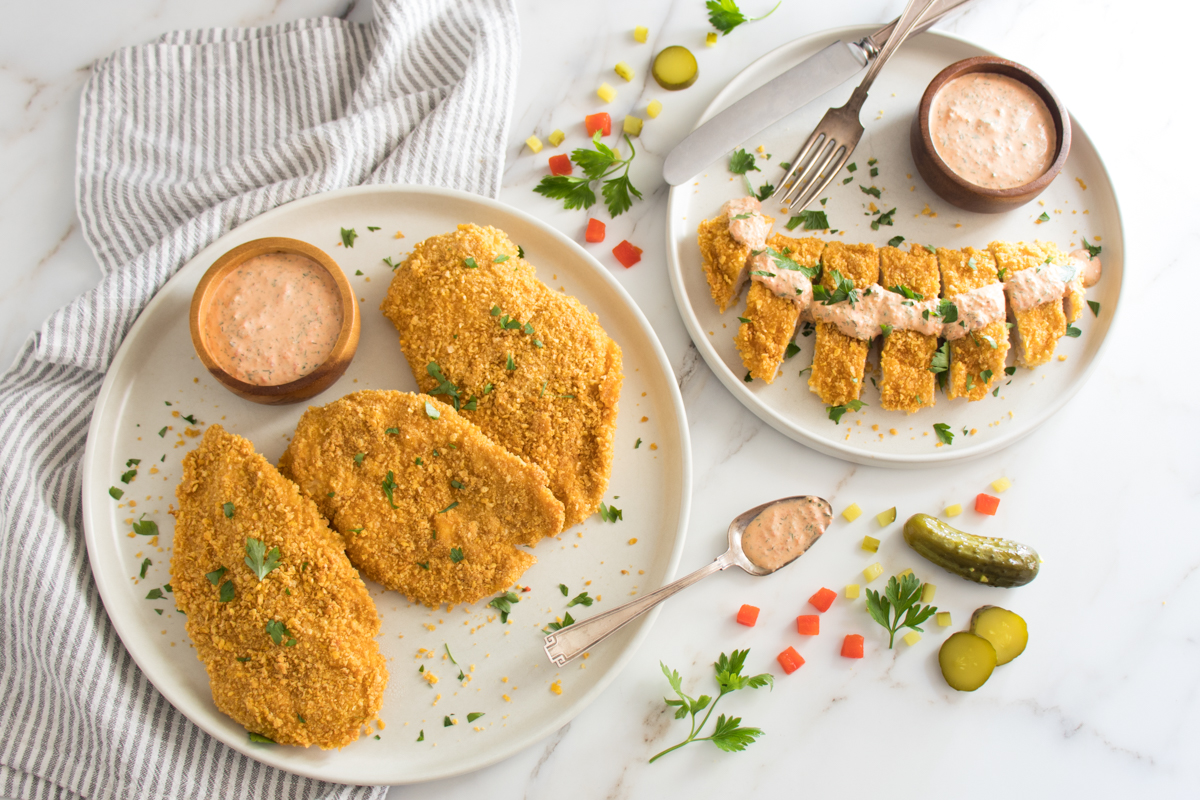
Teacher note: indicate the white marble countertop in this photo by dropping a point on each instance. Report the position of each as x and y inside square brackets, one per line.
[1104, 703]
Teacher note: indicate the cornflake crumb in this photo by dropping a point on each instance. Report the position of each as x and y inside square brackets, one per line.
[633, 540]
[556, 687]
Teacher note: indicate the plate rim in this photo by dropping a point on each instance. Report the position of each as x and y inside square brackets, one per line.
[505, 748]
[735, 385]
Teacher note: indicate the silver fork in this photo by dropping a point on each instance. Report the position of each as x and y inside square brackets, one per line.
[828, 149]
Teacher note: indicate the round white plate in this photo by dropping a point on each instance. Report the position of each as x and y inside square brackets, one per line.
[157, 376]
[921, 216]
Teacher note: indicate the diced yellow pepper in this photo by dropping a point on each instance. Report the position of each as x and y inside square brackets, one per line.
[633, 125]
[534, 144]
[852, 513]
[953, 511]
[872, 572]
[624, 70]
[900, 575]
[943, 618]
[640, 33]
[607, 93]
[870, 544]
[885, 518]
[710, 40]
[556, 138]
[912, 638]
[851, 591]
[1000, 484]
[927, 592]
[654, 109]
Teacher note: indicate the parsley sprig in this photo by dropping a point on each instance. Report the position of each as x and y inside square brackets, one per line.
[261, 561]
[503, 604]
[836, 412]
[597, 165]
[899, 606]
[728, 735]
[844, 290]
[725, 15]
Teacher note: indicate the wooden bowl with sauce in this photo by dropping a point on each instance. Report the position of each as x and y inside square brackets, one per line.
[959, 190]
[275, 321]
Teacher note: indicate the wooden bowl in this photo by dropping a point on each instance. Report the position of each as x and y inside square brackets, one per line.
[302, 388]
[957, 190]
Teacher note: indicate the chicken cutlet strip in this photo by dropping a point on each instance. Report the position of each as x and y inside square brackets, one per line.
[530, 366]
[1074, 301]
[839, 361]
[1038, 329]
[429, 506]
[770, 318]
[976, 360]
[724, 256]
[907, 384]
[289, 648]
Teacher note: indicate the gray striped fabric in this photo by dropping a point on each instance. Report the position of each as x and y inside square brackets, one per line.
[179, 142]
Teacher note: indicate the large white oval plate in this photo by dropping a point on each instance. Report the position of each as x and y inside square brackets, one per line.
[866, 437]
[156, 376]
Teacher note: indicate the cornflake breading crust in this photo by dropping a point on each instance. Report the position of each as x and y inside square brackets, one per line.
[459, 506]
[763, 340]
[724, 260]
[544, 375]
[325, 678]
[839, 361]
[906, 383]
[1038, 329]
[983, 351]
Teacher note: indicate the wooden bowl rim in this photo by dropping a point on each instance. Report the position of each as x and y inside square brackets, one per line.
[1025, 75]
[343, 348]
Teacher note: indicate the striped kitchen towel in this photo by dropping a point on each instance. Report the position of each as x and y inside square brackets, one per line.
[179, 142]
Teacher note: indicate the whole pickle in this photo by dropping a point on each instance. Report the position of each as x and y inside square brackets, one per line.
[983, 559]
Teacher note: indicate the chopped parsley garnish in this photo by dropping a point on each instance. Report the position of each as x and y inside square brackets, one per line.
[725, 15]
[189, 419]
[597, 165]
[163, 432]
[899, 606]
[258, 737]
[985, 376]
[742, 162]
[941, 359]
[845, 290]
[430, 411]
[423, 564]
[145, 566]
[214, 577]
[358, 458]
[520, 251]
[580, 599]
[155, 594]
[389, 484]
[388, 260]
[874, 171]
[510, 365]
[944, 433]
[836, 412]
[503, 604]
[500, 259]
[457, 485]
[261, 561]
[358, 272]
[470, 263]
[887, 329]
[278, 632]
[1044, 217]
[782, 261]
[947, 311]
[421, 736]
[447, 722]
[348, 237]
[562, 587]
[567, 621]
[971, 263]
[792, 349]
[873, 191]
[728, 735]
[443, 511]
[372, 229]
[474, 715]
[743, 319]
[847, 180]
[907, 292]
[764, 192]
[115, 493]
[1073, 332]
[637, 444]
[145, 527]
[610, 513]
[393, 431]
[126, 477]
[227, 591]
[852, 167]
[1093, 249]
[883, 219]
[895, 241]
[227, 508]
[1095, 307]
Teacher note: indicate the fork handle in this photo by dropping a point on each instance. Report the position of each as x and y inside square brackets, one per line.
[913, 13]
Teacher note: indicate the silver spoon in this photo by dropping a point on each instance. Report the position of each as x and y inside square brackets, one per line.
[570, 642]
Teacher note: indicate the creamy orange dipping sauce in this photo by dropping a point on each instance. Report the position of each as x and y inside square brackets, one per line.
[274, 319]
[992, 130]
[783, 531]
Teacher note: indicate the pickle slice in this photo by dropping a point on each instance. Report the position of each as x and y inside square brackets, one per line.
[967, 661]
[1006, 631]
[675, 68]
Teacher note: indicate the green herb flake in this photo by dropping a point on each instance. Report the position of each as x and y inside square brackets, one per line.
[610, 513]
[430, 411]
[1093, 249]
[145, 527]
[447, 508]
[146, 563]
[1044, 217]
[874, 171]
[883, 219]
[510, 365]
[792, 349]
[348, 237]
[873, 191]
[278, 632]
[155, 594]
[261, 561]
[835, 412]
[742, 162]
[941, 359]
[214, 577]
[470, 263]
[228, 509]
[943, 432]
[638, 443]
[567, 621]
[500, 259]
[258, 737]
[895, 241]
[503, 604]
[580, 599]
[474, 715]
[115, 493]
[189, 419]
[447, 722]
[421, 736]
[811, 220]
[1095, 307]
[126, 477]
[852, 167]
[388, 260]
[1073, 332]
[226, 593]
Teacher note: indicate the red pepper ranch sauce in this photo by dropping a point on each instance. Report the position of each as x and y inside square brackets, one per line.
[274, 319]
[783, 531]
[992, 130]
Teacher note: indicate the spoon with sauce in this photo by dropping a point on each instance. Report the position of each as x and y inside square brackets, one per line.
[762, 540]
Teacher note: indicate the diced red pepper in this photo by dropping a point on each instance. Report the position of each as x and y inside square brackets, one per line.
[808, 624]
[986, 504]
[560, 164]
[595, 231]
[790, 660]
[823, 599]
[852, 646]
[627, 254]
[598, 122]
[748, 615]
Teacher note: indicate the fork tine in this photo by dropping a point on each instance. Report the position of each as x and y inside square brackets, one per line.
[822, 179]
[811, 167]
[799, 160]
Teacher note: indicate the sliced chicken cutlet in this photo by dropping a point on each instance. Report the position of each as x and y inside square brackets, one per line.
[530, 366]
[427, 504]
[289, 648]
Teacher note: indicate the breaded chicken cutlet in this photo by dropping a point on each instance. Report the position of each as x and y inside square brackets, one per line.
[428, 505]
[530, 366]
[290, 654]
